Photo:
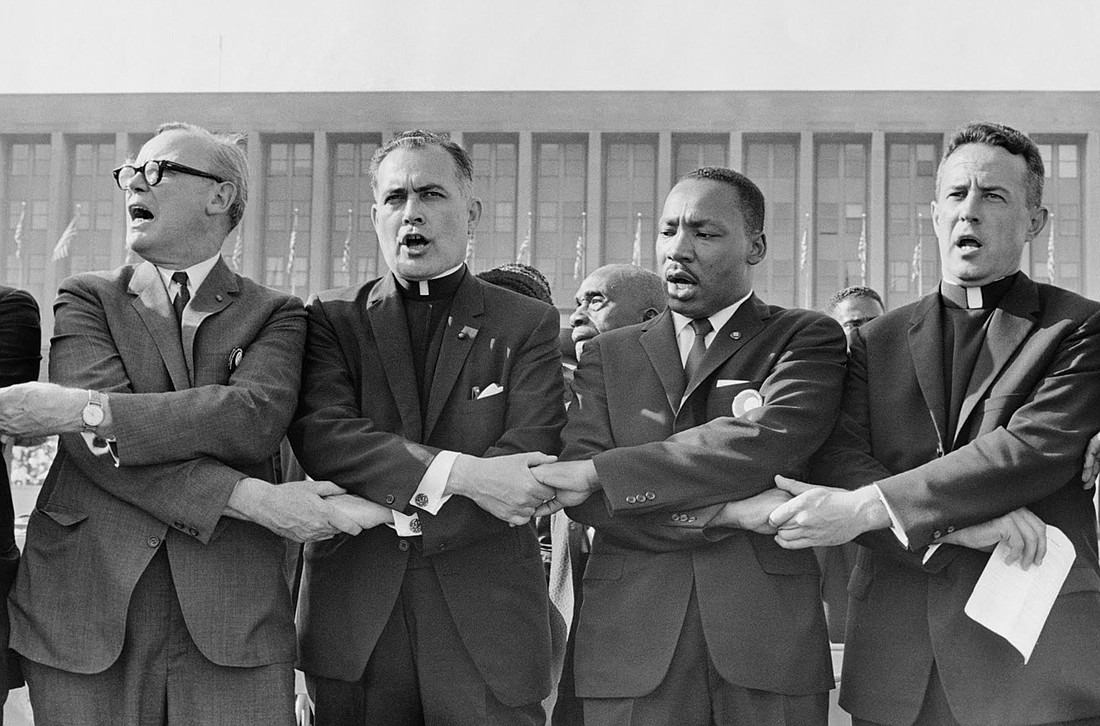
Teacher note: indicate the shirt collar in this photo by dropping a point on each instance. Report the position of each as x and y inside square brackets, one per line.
[196, 274]
[717, 320]
[442, 285]
[975, 297]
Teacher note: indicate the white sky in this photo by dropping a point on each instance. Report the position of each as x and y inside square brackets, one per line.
[91, 46]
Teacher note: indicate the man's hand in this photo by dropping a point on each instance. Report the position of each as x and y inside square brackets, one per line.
[296, 510]
[751, 514]
[573, 482]
[1025, 534]
[820, 516]
[501, 485]
[364, 512]
[1092, 462]
[41, 409]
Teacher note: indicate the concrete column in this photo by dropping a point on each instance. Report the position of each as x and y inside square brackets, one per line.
[320, 222]
[1090, 263]
[252, 257]
[594, 254]
[876, 214]
[525, 187]
[737, 150]
[664, 169]
[806, 213]
[60, 214]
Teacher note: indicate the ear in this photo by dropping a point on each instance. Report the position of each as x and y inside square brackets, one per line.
[1038, 220]
[649, 314]
[934, 213]
[221, 199]
[474, 212]
[374, 218]
[758, 248]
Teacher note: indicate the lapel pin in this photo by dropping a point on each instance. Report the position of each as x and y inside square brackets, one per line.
[235, 359]
[736, 335]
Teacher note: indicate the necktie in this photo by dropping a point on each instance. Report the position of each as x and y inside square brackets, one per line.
[182, 296]
[694, 361]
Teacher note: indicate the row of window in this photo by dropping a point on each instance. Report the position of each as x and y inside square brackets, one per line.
[820, 252]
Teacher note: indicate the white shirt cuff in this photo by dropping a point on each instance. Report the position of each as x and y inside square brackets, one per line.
[406, 526]
[895, 524]
[99, 446]
[429, 495]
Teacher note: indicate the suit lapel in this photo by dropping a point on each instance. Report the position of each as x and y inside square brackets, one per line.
[659, 343]
[218, 290]
[152, 306]
[1009, 326]
[458, 340]
[926, 349]
[386, 316]
[742, 326]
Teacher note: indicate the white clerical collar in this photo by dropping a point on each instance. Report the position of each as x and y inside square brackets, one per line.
[422, 286]
[196, 274]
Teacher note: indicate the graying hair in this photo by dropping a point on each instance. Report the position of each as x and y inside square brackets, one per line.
[228, 161]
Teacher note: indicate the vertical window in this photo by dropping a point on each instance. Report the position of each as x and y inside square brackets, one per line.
[912, 270]
[841, 193]
[561, 188]
[95, 197]
[496, 164]
[351, 224]
[692, 151]
[1059, 247]
[630, 199]
[288, 196]
[27, 200]
[772, 162]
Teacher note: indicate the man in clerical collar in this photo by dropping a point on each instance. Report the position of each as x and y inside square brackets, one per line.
[430, 394]
[964, 418]
[153, 585]
[682, 622]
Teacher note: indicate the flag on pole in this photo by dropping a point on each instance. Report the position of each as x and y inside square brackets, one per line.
[916, 269]
[523, 256]
[19, 231]
[578, 259]
[1050, 253]
[238, 251]
[290, 254]
[61, 249]
[803, 260]
[636, 255]
[862, 250]
[345, 258]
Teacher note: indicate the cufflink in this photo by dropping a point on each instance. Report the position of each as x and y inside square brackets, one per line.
[414, 525]
[421, 500]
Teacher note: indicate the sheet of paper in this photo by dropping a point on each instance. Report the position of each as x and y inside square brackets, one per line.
[1013, 602]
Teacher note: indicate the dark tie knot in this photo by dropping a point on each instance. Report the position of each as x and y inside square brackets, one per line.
[180, 278]
[702, 326]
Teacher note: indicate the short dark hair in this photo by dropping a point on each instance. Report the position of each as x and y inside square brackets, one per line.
[418, 139]
[750, 197]
[854, 291]
[521, 278]
[1014, 142]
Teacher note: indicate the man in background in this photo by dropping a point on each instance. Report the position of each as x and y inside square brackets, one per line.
[854, 306]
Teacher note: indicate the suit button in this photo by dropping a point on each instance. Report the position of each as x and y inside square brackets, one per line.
[631, 499]
[421, 500]
[442, 546]
[650, 496]
[403, 545]
[691, 519]
[178, 525]
[951, 529]
[193, 532]
[389, 499]
[153, 541]
[675, 517]
[937, 534]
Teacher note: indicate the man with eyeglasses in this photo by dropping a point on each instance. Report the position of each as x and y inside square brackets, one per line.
[154, 585]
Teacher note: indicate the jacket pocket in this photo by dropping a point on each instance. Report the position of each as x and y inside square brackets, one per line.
[63, 514]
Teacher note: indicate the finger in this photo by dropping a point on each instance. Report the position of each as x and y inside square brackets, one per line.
[783, 513]
[1012, 540]
[799, 543]
[1039, 531]
[322, 488]
[793, 486]
[537, 458]
[537, 493]
[547, 508]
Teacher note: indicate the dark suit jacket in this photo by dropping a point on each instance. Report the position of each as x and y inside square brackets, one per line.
[359, 425]
[189, 425]
[20, 356]
[759, 604]
[1033, 402]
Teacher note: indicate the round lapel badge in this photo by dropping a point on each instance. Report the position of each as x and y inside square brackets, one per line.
[746, 401]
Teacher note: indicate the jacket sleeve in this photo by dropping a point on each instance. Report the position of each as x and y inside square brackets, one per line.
[20, 338]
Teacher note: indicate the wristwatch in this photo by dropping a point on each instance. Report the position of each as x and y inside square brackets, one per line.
[92, 415]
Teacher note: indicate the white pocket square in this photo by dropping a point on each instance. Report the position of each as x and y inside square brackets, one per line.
[722, 383]
[491, 390]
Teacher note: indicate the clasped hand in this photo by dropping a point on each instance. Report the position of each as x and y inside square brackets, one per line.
[35, 409]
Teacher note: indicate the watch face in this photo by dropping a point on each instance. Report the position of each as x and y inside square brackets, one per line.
[92, 415]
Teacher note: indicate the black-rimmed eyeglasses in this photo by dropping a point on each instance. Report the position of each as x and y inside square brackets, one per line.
[153, 171]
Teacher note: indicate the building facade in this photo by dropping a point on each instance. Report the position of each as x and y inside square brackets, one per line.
[569, 180]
